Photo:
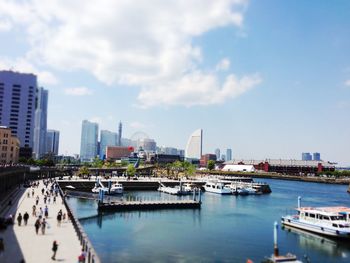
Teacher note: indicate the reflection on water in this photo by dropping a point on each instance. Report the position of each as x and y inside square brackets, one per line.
[322, 244]
[225, 229]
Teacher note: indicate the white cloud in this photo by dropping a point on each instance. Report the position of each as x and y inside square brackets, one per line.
[147, 43]
[347, 83]
[78, 91]
[137, 125]
[223, 65]
[5, 25]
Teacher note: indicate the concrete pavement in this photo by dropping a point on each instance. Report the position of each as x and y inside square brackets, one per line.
[21, 242]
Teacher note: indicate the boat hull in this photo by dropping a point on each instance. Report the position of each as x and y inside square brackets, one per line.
[218, 191]
[319, 229]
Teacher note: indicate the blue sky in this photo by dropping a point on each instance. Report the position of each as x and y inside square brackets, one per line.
[269, 79]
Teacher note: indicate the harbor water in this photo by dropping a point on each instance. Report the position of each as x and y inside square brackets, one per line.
[225, 229]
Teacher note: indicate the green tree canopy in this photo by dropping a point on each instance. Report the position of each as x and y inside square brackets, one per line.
[211, 165]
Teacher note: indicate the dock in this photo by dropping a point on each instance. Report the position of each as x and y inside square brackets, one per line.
[149, 205]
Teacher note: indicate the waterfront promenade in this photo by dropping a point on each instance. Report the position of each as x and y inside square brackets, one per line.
[22, 243]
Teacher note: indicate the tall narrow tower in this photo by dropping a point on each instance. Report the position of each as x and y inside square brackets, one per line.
[120, 128]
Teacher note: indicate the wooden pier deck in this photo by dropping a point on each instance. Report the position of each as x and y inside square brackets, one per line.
[149, 205]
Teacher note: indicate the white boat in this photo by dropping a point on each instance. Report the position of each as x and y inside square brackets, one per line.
[330, 221]
[217, 188]
[176, 190]
[115, 188]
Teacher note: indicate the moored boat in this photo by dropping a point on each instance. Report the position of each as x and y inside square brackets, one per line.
[112, 189]
[330, 221]
[217, 188]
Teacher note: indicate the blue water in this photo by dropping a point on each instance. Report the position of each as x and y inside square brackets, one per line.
[225, 229]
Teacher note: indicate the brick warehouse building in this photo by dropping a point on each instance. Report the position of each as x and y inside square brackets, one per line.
[287, 166]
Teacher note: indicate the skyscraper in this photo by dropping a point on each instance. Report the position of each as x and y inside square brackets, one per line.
[52, 141]
[194, 145]
[88, 145]
[40, 124]
[17, 105]
[217, 153]
[107, 138]
[306, 157]
[316, 156]
[120, 130]
[228, 154]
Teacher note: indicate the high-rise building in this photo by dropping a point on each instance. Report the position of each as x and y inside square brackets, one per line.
[40, 124]
[194, 145]
[120, 131]
[17, 105]
[9, 150]
[316, 156]
[107, 138]
[217, 153]
[223, 157]
[52, 141]
[148, 145]
[228, 154]
[88, 145]
[306, 157]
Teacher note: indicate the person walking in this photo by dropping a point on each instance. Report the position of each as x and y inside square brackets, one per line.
[59, 219]
[43, 226]
[54, 249]
[32, 192]
[19, 219]
[46, 212]
[37, 200]
[34, 211]
[54, 199]
[25, 218]
[37, 225]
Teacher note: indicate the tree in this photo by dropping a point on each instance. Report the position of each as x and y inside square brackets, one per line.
[211, 165]
[83, 171]
[97, 162]
[131, 170]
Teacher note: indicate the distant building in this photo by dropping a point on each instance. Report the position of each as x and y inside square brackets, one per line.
[217, 152]
[167, 150]
[40, 127]
[223, 157]
[205, 158]
[166, 158]
[316, 156]
[120, 131]
[228, 154]
[17, 106]
[118, 152]
[52, 142]
[9, 150]
[295, 167]
[306, 157]
[107, 138]
[148, 145]
[181, 152]
[88, 145]
[194, 145]
[238, 168]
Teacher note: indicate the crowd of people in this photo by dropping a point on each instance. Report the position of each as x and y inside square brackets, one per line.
[43, 199]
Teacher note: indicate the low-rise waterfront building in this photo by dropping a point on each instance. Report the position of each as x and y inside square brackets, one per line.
[9, 146]
[117, 152]
[296, 167]
[205, 158]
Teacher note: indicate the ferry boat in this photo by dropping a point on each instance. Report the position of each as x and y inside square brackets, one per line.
[330, 221]
[217, 188]
[115, 188]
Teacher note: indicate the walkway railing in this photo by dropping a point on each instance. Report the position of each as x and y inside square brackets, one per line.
[91, 255]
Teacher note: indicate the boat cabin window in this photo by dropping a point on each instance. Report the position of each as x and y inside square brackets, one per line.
[337, 218]
[335, 225]
[312, 215]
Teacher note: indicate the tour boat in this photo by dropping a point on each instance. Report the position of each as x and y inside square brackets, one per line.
[330, 221]
[115, 188]
[176, 190]
[217, 188]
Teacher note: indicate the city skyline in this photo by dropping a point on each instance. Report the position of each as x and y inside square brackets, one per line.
[265, 86]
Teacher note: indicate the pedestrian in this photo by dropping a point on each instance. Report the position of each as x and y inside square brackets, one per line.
[2, 246]
[64, 217]
[41, 212]
[82, 256]
[37, 225]
[48, 200]
[37, 200]
[54, 199]
[32, 192]
[19, 219]
[54, 249]
[43, 226]
[28, 194]
[59, 218]
[34, 211]
[46, 212]
[42, 191]
[25, 218]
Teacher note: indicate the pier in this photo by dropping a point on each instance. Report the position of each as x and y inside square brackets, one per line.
[149, 205]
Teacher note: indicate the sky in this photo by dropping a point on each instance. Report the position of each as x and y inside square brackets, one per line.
[269, 79]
